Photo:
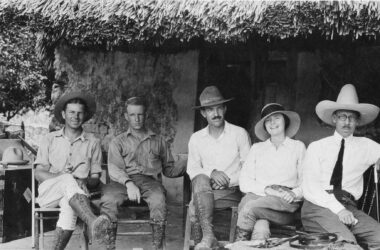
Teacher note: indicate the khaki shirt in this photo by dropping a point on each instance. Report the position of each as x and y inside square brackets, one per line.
[58, 154]
[127, 155]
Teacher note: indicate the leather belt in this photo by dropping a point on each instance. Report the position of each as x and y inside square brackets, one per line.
[341, 195]
[313, 241]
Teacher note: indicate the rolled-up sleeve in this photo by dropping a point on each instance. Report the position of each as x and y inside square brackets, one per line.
[116, 165]
[96, 158]
[170, 168]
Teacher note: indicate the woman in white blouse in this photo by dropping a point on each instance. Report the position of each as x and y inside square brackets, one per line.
[271, 175]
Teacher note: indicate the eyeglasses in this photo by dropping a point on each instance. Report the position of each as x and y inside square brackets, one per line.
[344, 117]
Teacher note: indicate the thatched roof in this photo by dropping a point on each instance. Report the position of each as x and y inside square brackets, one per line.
[113, 23]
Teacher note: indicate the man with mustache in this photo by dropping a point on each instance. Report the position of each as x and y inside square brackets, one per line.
[216, 154]
[333, 172]
[69, 160]
[136, 159]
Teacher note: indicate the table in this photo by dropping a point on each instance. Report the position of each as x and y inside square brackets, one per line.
[16, 199]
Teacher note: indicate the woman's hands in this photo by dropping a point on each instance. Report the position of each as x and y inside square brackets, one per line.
[282, 192]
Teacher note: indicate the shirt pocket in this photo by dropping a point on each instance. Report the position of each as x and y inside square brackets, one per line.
[154, 161]
[81, 167]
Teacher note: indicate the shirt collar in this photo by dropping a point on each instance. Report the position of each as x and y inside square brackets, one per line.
[338, 138]
[226, 129]
[149, 133]
[82, 137]
[285, 143]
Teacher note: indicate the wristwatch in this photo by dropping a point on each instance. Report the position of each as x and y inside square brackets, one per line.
[125, 183]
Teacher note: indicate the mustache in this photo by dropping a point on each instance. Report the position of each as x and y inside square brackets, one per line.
[347, 126]
[218, 117]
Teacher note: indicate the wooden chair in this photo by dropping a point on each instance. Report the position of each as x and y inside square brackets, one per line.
[40, 214]
[135, 208]
[138, 222]
[190, 243]
[187, 224]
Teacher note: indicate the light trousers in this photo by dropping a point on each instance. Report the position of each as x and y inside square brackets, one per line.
[255, 213]
[56, 192]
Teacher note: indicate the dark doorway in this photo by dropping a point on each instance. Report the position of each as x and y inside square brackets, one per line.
[229, 70]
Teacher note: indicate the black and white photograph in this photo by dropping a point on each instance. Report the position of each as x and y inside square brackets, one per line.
[189, 124]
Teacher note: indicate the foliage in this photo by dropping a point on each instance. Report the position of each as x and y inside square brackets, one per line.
[21, 74]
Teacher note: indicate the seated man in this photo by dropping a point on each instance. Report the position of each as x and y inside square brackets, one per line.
[136, 158]
[333, 172]
[216, 154]
[66, 160]
[271, 175]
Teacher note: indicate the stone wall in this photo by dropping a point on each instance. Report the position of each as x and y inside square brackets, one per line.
[168, 81]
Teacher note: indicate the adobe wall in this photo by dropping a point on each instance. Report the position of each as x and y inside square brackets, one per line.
[167, 80]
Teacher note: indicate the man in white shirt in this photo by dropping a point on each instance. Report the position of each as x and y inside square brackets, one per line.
[216, 154]
[333, 172]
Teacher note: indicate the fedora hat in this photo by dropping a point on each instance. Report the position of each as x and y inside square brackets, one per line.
[13, 156]
[211, 96]
[275, 108]
[347, 100]
[89, 100]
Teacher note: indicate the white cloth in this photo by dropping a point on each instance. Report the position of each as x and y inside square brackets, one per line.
[226, 153]
[267, 165]
[321, 156]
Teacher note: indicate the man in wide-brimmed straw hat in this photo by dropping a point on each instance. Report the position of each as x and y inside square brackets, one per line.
[333, 172]
[271, 175]
[136, 160]
[216, 154]
[66, 160]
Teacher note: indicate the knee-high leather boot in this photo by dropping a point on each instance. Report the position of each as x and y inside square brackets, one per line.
[111, 244]
[98, 226]
[158, 234]
[61, 238]
[196, 231]
[204, 209]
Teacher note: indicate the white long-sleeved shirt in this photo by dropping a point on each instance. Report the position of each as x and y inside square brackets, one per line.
[267, 165]
[321, 156]
[226, 153]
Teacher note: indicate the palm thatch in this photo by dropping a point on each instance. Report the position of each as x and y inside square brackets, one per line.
[113, 23]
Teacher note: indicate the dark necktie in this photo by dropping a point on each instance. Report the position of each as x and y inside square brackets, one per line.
[336, 178]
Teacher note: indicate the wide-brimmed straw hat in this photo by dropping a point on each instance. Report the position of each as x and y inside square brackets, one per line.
[89, 100]
[347, 100]
[275, 108]
[13, 156]
[211, 96]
